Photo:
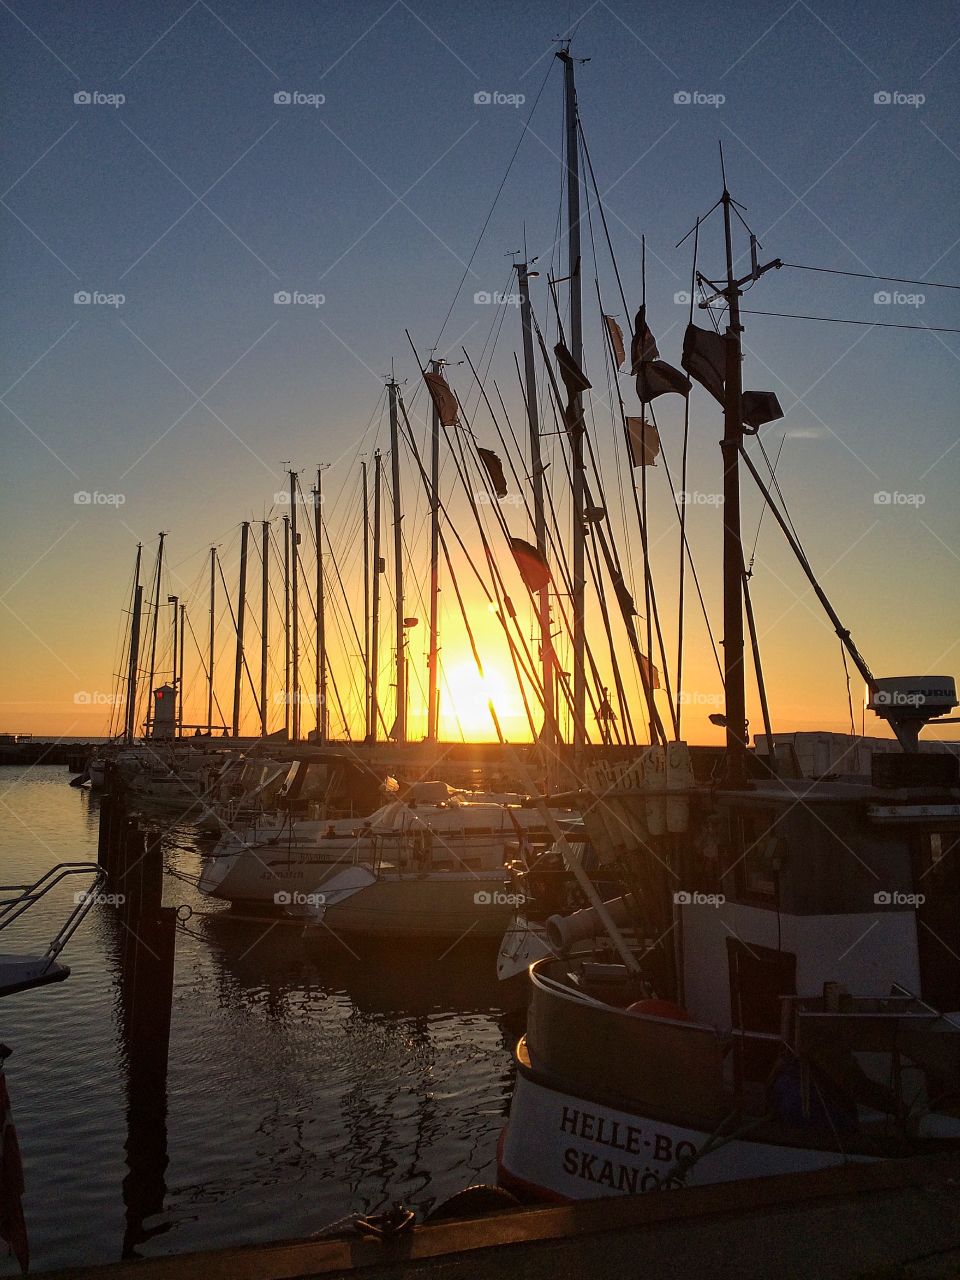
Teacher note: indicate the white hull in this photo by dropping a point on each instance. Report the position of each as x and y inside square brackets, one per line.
[457, 905]
[560, 1147]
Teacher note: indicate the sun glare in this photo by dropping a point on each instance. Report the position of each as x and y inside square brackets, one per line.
[465, 699]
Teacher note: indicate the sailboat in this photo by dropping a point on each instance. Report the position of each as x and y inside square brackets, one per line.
[783, 1004]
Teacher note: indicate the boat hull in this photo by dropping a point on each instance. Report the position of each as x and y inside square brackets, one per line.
[454, 906]
[560, 1147]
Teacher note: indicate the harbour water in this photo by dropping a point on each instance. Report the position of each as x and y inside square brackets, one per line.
[305, 1084]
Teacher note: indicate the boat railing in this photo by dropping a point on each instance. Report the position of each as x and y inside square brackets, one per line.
[26, 896]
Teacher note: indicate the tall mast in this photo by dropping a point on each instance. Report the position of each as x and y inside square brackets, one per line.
[175, 601]
[286, 627]
[400, 723]
[575, 425]
[294, 606]
[213, 601]
[539, 517]
[367, 699]
[321, 655]
[153, 632]
[130, 719]
[433, 651]
[733, 673]
[241, 619]
[264, 621]
[183, 624]
[375, 624]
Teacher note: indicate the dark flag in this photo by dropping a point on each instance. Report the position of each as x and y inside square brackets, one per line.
[650, 673]
[758, 407]
[494, 469]
[616, 340]
[443, 398]
[533, 568]
[656, 378]
[705, 358]
[643, 347]
[644, 442]
[574, 379]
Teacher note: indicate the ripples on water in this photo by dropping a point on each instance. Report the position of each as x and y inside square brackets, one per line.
[303, 1084]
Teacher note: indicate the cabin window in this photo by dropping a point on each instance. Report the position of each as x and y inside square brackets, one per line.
[753, 855]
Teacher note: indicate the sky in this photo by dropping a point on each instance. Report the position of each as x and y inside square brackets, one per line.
[182, 195]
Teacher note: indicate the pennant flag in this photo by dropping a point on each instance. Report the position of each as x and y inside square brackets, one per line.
[624, 598]
[443, 398]
[533, 568]
[605, 712]
[13, 1227]
[574, 379]
[643, 348]
[494, 469]
[705, 358]
[650, 673]
[656, 378]
[644, 442]
[616, 340]
[758, 407]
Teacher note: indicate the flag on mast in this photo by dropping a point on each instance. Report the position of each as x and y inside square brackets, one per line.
[705, 358]
[643, 347]
[443, 398]
[494, 469]
[534, 569]
[644, 442]
[616, 340]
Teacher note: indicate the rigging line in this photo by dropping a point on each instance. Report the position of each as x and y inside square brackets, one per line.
[763, 509]
[780, 494]
[486, 221]
[871, 324]
[846, 672]
[868, 275]
[683, 489]
[603, 218]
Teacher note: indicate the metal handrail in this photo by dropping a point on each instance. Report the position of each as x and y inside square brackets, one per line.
[12, 908]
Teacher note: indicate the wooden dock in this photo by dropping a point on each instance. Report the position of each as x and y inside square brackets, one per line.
[893, 1220]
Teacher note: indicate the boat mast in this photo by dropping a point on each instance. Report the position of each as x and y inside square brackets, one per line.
[735, 713]
[575, 425]
[175, 601]
[153, 632]
[433, 651]
[375, 623]
[241, 619]
[539, 517]
[130, 717]
[286, 627]
[264, 620]
[213, 600]
[183, 623]
[400, 722]
[321, 654]
[294, 606]
[367, 699]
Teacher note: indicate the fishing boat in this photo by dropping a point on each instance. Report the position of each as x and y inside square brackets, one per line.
[788, 1007]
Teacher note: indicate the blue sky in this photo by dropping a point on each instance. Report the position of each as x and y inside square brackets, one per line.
[199, 198]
